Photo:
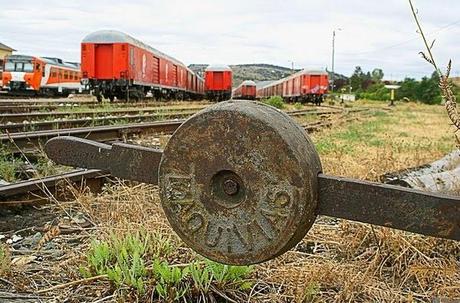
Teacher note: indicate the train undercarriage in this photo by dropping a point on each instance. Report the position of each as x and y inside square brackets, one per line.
[126, 90]
[218, 95]
[311, 98]
[20, 89]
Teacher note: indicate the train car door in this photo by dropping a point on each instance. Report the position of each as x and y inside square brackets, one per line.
[174, 75]
[104, 61]
[156, 69]
[315, 83]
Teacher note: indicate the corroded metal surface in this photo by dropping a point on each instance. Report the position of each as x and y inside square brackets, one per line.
[412, 210]
[121, 160]
[238, 183]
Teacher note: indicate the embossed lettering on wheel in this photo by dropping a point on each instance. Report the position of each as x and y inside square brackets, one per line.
[239, 192]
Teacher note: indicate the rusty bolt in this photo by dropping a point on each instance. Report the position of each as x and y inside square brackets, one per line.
[231, 187]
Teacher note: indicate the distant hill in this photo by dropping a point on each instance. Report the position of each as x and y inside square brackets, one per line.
[256, 72]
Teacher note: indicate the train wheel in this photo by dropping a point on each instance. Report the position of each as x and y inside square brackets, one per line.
[111, 98]
[99, 98]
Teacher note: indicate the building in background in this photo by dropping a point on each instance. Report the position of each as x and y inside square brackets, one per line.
[4, 51]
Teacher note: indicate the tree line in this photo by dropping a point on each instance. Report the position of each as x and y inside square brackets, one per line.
[370, 85]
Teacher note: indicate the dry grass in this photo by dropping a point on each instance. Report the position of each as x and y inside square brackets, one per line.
[339, 260]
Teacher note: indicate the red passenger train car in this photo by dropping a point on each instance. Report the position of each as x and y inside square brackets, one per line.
[115, 64]
[303, 86]
[28, 75]
[246, 90]
[218, 82]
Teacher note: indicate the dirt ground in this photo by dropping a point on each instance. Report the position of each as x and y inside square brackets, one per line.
[47, 249]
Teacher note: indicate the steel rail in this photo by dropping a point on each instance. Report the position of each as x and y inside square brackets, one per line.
[31, 141]
[37, 190]
[21, 117]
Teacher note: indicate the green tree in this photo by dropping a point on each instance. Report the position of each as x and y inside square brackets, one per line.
[377, 75]
[428, 90]
[356, 80]
[408, 89]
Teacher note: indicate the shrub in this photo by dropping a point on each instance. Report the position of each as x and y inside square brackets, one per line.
[298, 105]
[275, 101]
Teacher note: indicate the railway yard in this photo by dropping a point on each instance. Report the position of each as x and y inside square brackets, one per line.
[59, 224]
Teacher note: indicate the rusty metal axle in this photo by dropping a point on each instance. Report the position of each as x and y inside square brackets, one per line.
[241, 183]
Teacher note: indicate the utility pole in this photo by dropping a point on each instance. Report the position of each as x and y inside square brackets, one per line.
[292, 66]
[333, 58]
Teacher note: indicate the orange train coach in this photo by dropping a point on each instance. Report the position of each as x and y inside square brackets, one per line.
[115, 64]
[218, 82]
[246, 91]
[303, 86]
[40, 76]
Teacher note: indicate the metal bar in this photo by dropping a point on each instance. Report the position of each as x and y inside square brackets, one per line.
[125, 161]
[386, 205]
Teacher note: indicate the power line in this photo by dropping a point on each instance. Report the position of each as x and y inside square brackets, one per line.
[445, 27]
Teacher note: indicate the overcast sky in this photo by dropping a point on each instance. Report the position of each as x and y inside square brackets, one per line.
[374, 33]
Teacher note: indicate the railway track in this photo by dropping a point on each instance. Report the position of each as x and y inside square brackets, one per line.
[21, 117]
[12, 107]
[32, 141]
[43, 189]
[91, 118]
[40, 189]
[87, 122]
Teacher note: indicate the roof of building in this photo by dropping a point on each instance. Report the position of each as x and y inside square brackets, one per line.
[6, 47]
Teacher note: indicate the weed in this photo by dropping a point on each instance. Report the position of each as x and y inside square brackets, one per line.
[201, 278]
[298, 105]
[310, 292]
[226, 274]
[124, 260]
[8, 167]
[45, 167]
[170, 281]
[275, 101]
[5, 260]
[121, 259]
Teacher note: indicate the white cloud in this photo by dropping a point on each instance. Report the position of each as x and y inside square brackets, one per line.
[232, 32]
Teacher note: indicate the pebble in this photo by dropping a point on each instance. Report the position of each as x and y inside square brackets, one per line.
[32, 241]
[14, 239]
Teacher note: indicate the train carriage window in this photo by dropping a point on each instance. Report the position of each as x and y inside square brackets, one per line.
[71, 76]
[66, 76]
[28, 67]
